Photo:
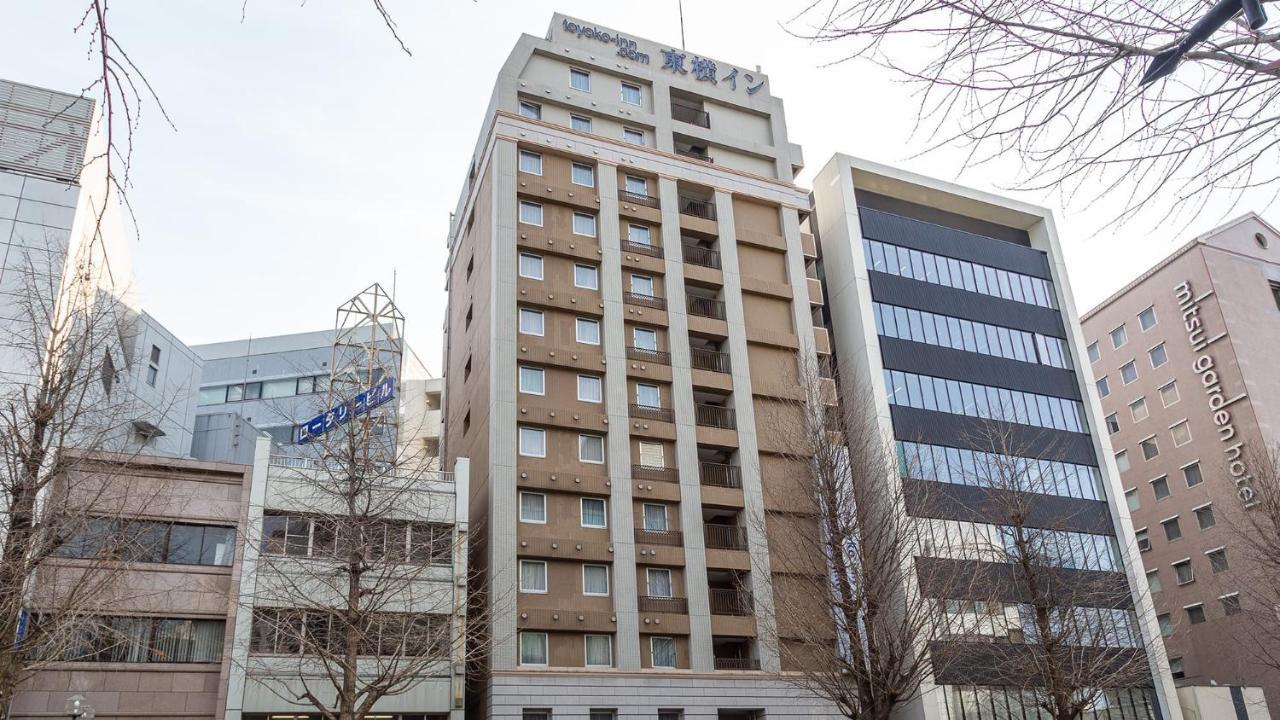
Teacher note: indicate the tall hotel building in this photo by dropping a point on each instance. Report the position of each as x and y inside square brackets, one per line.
[627, 277]
[947, 304]
[1184, 359]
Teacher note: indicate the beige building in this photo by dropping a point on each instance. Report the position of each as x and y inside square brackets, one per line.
[628, 292]
[1184, 358]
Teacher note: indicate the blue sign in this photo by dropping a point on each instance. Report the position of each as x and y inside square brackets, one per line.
[339, 414]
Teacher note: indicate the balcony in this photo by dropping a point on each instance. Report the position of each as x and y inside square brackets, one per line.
[720, 475]
[701, 256]
[641, 248]
[675, 605]
[691, 115]
[697, 207]
[730, 601]
[725, 537]
[658, 474]
[646, 355]
[695, 153]
[649, 412]
[674, 538]
[638, 198]
[715, 416]
[705, 307]
[737, 663]
[642, 300]
[713, 360]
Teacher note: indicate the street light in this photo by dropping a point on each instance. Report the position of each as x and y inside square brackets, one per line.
[1165, 63]
[78, 709]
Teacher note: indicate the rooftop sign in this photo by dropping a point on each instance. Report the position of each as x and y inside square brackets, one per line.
[365, 401]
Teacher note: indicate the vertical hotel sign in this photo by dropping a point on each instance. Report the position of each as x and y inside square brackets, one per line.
[1206, 369]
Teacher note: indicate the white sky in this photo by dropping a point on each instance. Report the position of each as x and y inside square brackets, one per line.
[313, 157]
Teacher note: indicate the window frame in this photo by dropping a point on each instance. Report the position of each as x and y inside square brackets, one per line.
[1124, 335]
[628, 132]
[586, 639]
[608, 584]
[546, 579]
[576, 73]
[1155, 319]
[527, 154]
[1151, 355]
[1142, 446]
[591, 436]
[595, 224]
[578, 323]
[536, 109]
[520, 447]
[1093, 352]
[1183, 423]
[1131, 364]
[675, 659]
[639, 94]
[591, 171]
[526, 255]
[531, 204]
[595, 275]
[542, 380]
[546, 648]
[644, 517]
[520, 507]
[542, 321]
[1177, 395]
[575, 120]
[1177, 577]
[648, 582]
[582, 512]
[599, 386]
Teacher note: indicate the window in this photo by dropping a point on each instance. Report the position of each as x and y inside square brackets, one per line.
[1181, 433]
[306, 385]
[593, 513]
[153, 373]
[213, 396]
[1147, 319]
[536, 714]
[1230, 604]
[639, 235]
[1183, 572]
[590, 389]
[1138, 410]
[1166, 624]
[1172, 531]
[586, 276]
[531, 321]
[652, 454]
[1160, 486]
[658, 582]
[1094, 354]
[591, 449]
[1195, 613]
[1175, 667]
[533, 442]
[646, 338]
[152, 542]
[642, 285]
[1104, 388]
[648, 396]
[662, 654]
[533, 507]
[530, 162]
[636, 185]
[580, 79]
[1169, 393]
[595, 580]
[655, 516]
[1153, 581]
[1132, 500]
[599, 651]
[1122, 461]
[1275, 293]
[1128, 372]
[122, 639]
[1113, 425]
[532, 380]
[584, 224]
[279, 388]
[1204, 517]
[1119, 337]
[253, 391]
[533, 576]
[583, 174]
[533, 648]
[1150, 448]
[1158, 356]
[1143, 539]
[598, 714]
[588, 331]
[630, 94]
[633, 136]
[1218, 560]
[531, 110]
[578, 122]
[531, 266]
[1191, 473]
[531, 213]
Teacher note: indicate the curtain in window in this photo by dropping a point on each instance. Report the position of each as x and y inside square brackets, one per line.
[664, 652]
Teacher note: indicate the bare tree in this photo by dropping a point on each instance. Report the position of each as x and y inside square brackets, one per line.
[1255, 530]
[1056, 84]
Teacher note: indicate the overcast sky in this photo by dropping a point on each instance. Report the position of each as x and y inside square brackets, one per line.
[313, 157]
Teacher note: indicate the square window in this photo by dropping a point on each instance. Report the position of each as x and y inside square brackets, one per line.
[1104, 388]
[1218, 560]
[633, 136]
[1128, 372]
[1205, 518]
[530, 162]
[1122, 460]
[580, 123]
[599, 650]
[533, 507]
[595, 580]
[631, 94]
[652, 454]
[531, 213]
[531, 110]
[1166, 624]
[590, 389]
[533, 576]
[663, 655]
[641, 285]
[1113, 425]
[658, 582]
[1158, 356]
[1183, 572]
[586, 277]
[583, 174]
[253, 391]
[645, 339]
[1172, 530]
[531, 266]
[533, 442]
[655, 515]
[636, 185]
[1181, 433]
[1119, 337]
[1153, 581]
[1169, 393]
[1160, 486]
[533, 651]
[1230, 604]
[1150, 448]
[580, 79]
[639, 235]
[588, 331]
[1094, 353]
[591, 449]
[1138, 410]
[1195, 614]
[533, 380]
[531, 321]
[584, 224]
[1147, 319]
[648, 396]
[1132, 500]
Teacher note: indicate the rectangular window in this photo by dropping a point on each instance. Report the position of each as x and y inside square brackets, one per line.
[645, 339]
[591, 449]
[655, 515]
[631, 94]
[1132, 500]
[531, 110]
[1195, 613]
[253, 391]
[598, 714]
[1147, 319]
[1119, 337]
[153, 373]
[639, 235]
[1094, 354]
[1143, 539]
[1158, 356]
[1153, 581]
[1104, 388]
[580, 79]
[1169, 393]
[663, 655]
[599, 650]
[633, 136]
[583, 174]
[580, 123]
[1183, 572]
[1113, 425]
[533, 576]
[533, 650]
[1122, 460]
[213, 396]
[658, 582]
[531, 213]
[1218, 561]
[530, 266]
[1181, 433]
[532, 380]
[530, 162]
[533, 442]
[1204, 517]
[1160, 487]
[589, 389]
[279, 388]
[588, 331]
[652, 454]
[531, 322]
[1175, 665]
[593, 513]
[1128, 372]
[586, 276]
[595, 580]
[1191, 473]
[648, 396]
[1166, 624]
[533, 507]
[1138, 410]
[636, 185]
[642, 285]
[1231, 604]
[1150, 448]
[1172, 530]
[584, 224]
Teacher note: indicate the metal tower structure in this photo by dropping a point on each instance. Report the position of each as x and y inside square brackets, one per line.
[368, 353]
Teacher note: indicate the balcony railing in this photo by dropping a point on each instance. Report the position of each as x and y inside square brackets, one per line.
[705, 209]
[650, 472]
[726, 537]
[649, 603]
[715, 416]
[649, 412]
[705, 307]
[730, 602]
[701, 256]
[693, 116]
[712, 360]
[638, 198]
[674, 538]
[733, 663]
[641, 248]
[720, 475]
[649, 301]
[646, 355]
[695, 154]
